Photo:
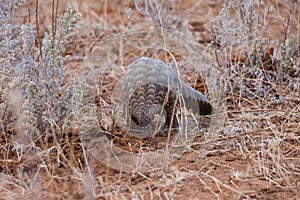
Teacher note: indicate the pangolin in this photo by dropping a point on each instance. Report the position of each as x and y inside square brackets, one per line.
[149, 82]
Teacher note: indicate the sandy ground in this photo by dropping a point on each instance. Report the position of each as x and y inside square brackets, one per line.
[255, 156]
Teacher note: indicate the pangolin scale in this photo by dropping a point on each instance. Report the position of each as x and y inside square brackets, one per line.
[150, 82]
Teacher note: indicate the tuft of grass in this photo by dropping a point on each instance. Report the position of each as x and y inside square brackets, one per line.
[38, 105]
[259, 75]
[50, 104]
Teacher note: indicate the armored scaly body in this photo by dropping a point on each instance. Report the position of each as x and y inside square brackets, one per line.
[149, 82]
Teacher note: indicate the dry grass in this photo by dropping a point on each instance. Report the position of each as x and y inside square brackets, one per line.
[243, 54]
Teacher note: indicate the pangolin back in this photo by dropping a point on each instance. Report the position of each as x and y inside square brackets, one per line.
[150, 82]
